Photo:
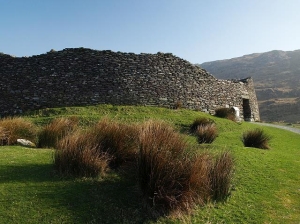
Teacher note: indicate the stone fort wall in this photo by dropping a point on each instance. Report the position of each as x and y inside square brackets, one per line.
[80, 76]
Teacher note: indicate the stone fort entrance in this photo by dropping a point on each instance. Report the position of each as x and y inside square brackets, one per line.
[246, 110]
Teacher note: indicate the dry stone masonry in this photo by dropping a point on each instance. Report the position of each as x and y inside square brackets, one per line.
[80, 76]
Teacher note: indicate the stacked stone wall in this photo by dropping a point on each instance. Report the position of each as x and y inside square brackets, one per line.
[79, 76]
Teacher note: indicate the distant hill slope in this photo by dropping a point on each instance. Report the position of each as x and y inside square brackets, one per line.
[276, 76]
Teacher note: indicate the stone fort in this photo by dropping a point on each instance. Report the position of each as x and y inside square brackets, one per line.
[80, 76]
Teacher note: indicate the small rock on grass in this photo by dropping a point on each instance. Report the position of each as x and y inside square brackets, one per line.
[25, 143]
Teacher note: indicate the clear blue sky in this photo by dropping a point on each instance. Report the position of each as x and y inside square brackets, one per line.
[196, 30]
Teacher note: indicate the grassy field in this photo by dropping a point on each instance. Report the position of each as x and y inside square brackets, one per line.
[265, 185]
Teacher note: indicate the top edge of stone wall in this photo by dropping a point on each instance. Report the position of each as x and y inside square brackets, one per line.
[91, 52]
[82, 50]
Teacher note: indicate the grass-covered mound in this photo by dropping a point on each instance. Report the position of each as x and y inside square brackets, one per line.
[265, 183]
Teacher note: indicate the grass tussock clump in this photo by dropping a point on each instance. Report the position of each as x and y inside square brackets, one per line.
[4, 136]
[211, 176]
[221, 172]
[161, 171]
[57, 129]
[170, 179]
[202, 121]
[206, 133]
[199, 177]
[119, 141]
[12, 129]
[76, 156]
[227, 113]
[256, 138]
[91, 152]
[204, 129]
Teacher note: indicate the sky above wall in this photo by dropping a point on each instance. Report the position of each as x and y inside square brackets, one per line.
[195, 30]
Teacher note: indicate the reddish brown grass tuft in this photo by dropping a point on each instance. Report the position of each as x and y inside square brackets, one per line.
[169, 179]
[256, 138]
[201, 121]
[206, 133]
[89, 153]
[4, 136]
[57, 129]
[160, 169]
[118, 140]
[13, 128]
[75, 155]
[220, 176]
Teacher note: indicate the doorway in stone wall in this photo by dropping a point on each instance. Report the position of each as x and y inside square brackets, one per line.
[246, 110]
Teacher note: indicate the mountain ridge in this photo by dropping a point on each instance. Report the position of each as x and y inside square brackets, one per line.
[276, 76]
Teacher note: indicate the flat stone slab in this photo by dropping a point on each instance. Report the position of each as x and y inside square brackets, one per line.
[25, 143]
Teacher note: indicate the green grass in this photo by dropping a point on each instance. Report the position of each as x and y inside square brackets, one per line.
[32, 193]
[121, 113]
[266, 184]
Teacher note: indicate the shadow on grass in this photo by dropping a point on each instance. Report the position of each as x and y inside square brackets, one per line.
[115, 199]
[184, 129]
[26, 173]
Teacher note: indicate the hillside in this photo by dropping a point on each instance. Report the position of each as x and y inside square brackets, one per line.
[276, 76]
[264, 186]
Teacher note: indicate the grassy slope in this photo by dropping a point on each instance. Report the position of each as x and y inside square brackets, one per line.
[266, 183]
[30, 193]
